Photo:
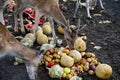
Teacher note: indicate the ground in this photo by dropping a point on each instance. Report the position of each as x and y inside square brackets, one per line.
[104, 35]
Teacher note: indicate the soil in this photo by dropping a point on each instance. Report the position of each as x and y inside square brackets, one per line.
[104, 35]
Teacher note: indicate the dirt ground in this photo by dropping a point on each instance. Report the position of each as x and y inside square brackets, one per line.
[104, 35]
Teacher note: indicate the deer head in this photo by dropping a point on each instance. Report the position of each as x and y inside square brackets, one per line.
[71, 33]
[51, 8]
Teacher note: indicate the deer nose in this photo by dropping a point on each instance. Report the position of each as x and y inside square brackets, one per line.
[40, 52]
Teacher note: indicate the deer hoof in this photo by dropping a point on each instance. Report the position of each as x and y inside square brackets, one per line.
[89, 17]
[74, 16]
[16, 29]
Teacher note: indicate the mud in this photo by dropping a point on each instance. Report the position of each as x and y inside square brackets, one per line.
[107, 36]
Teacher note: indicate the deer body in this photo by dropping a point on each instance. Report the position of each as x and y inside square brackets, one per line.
[89, 4]
[52, 10]
[18, 10]
[10, 46]
[43, 7]
[49, 8]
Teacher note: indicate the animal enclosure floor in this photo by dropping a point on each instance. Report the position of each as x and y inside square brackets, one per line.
[106, 35]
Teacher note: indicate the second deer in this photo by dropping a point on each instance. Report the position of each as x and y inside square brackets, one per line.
[49, 8]
[10, 46]
[89, 4]
[44, 7]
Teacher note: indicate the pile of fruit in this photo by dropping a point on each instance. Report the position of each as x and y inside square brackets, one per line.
[73, 62]
[64, 62]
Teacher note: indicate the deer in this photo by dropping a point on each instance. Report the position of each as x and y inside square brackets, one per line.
[49, 8]
[52, 10]
[9, 45]
[2, 6]
[89, 4]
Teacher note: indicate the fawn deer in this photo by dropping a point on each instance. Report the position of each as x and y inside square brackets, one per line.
[49, 8]
[89, 4]
[45, 7]
[10, 46]
[42, 7]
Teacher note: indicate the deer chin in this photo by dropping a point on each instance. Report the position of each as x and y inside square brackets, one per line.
[71, 33]
[38, 58]
[71, 42]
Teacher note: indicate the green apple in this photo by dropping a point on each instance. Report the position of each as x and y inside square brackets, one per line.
[66, 70]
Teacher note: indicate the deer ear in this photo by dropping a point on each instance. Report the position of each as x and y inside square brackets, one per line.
[78, 26]
[68, 24]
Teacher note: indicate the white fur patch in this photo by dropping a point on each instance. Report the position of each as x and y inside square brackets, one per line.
[1, 39]
[30, 70]
[2, 55]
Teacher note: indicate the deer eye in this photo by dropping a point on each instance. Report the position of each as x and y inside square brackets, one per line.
[67, 39]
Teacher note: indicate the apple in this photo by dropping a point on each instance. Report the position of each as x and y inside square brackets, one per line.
[92, 67]
[66, 70]
[83, 61]
[103, 71]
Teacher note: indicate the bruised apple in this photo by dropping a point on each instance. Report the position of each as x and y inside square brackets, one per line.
[76, 55]
[103, 71]
[80, 44]
[66, 61]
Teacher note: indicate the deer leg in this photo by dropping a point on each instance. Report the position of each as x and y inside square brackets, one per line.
[38, 15]
[65, 36]
[53, 30]
[101, 4]
[21, 22]
[76, 9]
[95, 2]
[52, 25]
[16, 22]
[37, 18]
[31, 70]
[16, 19]
[1, 17]
[88, 8]
[68, 38]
